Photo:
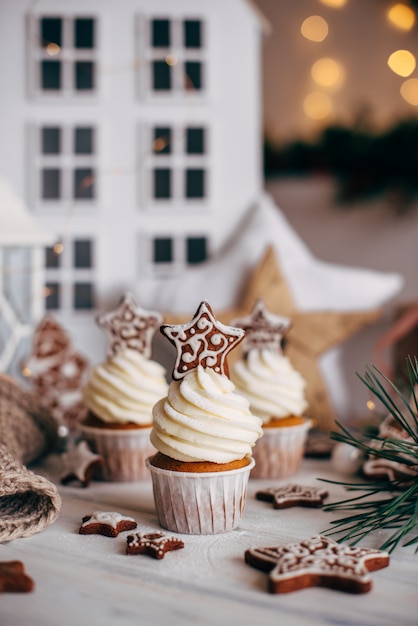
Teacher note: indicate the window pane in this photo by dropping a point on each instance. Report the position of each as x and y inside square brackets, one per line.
[196, 249]
[193, 75]
[161, 75]
[83, 141]
[51, 75]
[83, 296]
[51, 31]
[163, 250]
[84, 183]
[162, 183]
[160, 33]
[51, 140]
[52, 259]
[195, 141]
[192, 34]
[84, 33]
[195, 183]
[53, 296]
[162, 141]
[51, 184]
[83, 253]
[84, 75]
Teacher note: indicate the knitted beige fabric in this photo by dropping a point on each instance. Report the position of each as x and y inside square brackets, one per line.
[28, 502]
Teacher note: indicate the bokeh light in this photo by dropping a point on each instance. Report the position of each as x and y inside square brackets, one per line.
[401, 16]
[171, 59]
[402, 62]
[53, 49]
[317, 105]
[327, 72]
[409, 91]
[314, 28]
[59, 247]
[335, 4]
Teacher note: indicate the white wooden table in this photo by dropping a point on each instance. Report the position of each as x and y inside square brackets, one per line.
[89, 580]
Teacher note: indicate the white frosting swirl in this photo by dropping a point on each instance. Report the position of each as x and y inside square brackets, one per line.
[202, 419]
[271, 384]
[125, 388]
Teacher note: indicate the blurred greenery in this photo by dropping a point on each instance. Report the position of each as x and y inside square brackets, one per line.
[364, 163]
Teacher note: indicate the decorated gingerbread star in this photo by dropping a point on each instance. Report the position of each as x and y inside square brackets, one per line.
[202, 341]
[292, 495]
[317, 562]
[264, 330]
[107, 523]
[130, 326]
[13, 577]
[154, 544]
[80, 464]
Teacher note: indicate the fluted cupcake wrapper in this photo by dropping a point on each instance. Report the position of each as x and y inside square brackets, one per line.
[279, 452]
[124, 452]
[200, 503]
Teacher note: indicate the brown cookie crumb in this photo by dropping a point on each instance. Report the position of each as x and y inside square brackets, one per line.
[14, 579]
[109, 524]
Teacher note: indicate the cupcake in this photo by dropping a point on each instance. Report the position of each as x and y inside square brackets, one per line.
[276, 392]
[121, 391]
[204, 432]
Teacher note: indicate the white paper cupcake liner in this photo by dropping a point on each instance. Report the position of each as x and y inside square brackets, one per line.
[124, 452]
[200, 503]
[279, 452]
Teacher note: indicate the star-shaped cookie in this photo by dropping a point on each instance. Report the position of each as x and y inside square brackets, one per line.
[293, 495]
[264, 330]
[155, 544]
[80, 464]
[130, 326]
[13, 577]
[107, 523]
[317, 562]
[202, 341]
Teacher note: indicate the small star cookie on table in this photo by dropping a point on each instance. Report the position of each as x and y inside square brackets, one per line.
[155, 544]
[317, 562]
[80, 463]
[293, 495]
[107, 523]
[13, 578]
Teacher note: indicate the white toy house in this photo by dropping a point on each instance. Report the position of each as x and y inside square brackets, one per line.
[133, 130]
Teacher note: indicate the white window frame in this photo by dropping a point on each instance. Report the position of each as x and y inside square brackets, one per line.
[179, 262]
[147, 53]
[68, 56]
[67, 161]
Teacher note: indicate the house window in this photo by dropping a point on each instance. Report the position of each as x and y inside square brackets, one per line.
[52, 296]
[83, 253]
[52, 259]
[83, 296]
[178, 162]
[163, 250]
[65, 51]
[196, 250]
[66, 164]
[176, 56]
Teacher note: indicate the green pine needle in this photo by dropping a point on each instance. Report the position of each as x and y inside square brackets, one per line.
[397, 511]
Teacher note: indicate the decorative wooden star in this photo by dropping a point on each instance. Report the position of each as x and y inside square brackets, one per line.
[264, 330]
[13, 577]
[80, 464]
[130, 326]
[293, 495]
[317, 562]
[154, 544]
[202, 341]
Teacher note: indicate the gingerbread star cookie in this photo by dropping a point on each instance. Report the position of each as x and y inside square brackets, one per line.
[264, 330]
[107, 523]
[202, 341]
[317, 562]
[293, 495]
[80, 464]
[155, 544]
[130, 326]
[13, 577]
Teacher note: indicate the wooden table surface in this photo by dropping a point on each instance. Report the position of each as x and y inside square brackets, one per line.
[89, 580]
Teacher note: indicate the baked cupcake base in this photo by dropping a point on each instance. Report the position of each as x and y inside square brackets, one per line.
[199, 503]
[279, 452]
[124, 450]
